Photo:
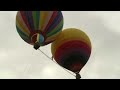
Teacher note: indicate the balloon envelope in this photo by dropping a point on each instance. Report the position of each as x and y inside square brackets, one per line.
[72, 49]
[39, 26]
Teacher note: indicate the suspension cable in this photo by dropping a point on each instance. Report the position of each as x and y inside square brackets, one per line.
[55, 62]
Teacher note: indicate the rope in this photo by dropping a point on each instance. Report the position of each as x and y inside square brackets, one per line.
[55, 62]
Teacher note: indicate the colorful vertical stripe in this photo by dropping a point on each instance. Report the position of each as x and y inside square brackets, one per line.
[45, 23]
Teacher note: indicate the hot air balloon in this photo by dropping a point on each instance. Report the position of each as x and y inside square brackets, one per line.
[39, 28]
[72, 50]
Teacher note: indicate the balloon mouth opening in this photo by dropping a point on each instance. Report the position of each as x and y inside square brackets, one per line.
[76, 68]
[37, 40]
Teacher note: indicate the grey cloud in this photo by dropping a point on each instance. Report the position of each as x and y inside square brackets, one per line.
[20, 60]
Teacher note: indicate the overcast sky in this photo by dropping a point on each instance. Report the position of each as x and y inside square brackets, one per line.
[19, 60]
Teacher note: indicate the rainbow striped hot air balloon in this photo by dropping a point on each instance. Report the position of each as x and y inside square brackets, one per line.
[41, 27]
[72, 49]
